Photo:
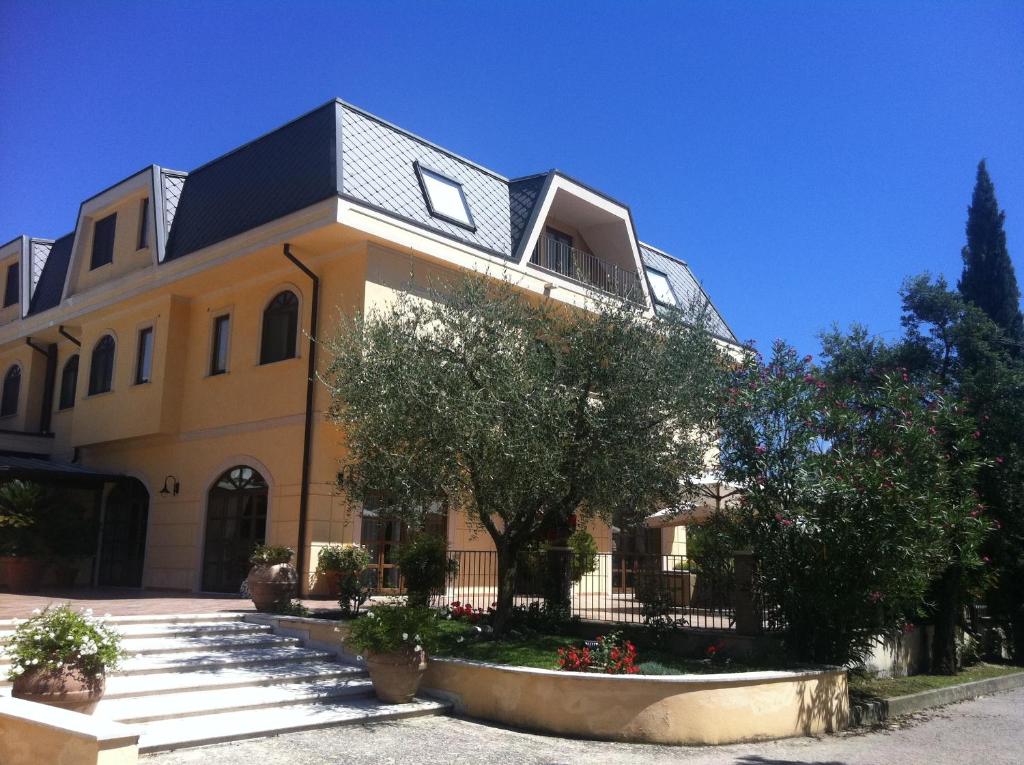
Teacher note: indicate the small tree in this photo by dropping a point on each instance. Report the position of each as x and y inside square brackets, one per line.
[522, 412]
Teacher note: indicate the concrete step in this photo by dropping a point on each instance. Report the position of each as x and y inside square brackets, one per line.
[186, 629]
[205, 643]
[163, 735]
[258, 675]
[204, 661]
[214, 701]
[7, 624]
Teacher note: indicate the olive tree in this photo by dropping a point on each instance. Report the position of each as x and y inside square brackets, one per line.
[522, 411]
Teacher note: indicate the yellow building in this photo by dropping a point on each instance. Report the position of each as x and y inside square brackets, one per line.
[162, 349]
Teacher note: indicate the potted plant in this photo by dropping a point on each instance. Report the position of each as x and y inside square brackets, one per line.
[272, 579]
[394, 639]
[341, 566]
[21, 503]
[60, 657]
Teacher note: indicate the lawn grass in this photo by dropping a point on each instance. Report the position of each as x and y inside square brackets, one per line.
[862, 687]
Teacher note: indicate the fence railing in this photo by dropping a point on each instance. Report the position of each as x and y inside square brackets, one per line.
[622, 588]
[586, 268]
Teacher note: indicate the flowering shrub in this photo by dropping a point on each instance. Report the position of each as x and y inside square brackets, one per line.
[613, 655]
[60, 638]
[394, 627]
[715, 653]
[466, 612]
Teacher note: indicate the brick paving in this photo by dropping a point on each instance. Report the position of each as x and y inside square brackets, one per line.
[132, 602]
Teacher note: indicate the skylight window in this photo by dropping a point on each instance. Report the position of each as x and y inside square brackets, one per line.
[445, 198]
[662, 289]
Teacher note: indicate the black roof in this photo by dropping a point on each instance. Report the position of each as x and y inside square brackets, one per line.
[51, 280]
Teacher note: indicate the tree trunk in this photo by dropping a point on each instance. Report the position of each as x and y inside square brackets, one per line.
[947, 617]
[506, 589]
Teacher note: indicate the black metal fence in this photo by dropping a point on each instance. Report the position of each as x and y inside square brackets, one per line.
[611, 587]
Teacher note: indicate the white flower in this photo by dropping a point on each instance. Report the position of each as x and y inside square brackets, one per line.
[138, 656]
[405, 636]
[418, 648]
[478, 629]
[417, 638]
[36, 611]
[106, 616]
[460, 639]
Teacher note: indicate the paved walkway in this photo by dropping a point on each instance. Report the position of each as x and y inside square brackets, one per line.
[988, 730]
[131, 602]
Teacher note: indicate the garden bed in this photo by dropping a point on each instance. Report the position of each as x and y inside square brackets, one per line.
[872, 688]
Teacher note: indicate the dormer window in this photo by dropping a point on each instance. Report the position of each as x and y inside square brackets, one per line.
[103, 241]
[143, 224]
[445, 198]
[661, 288]
[11, 287]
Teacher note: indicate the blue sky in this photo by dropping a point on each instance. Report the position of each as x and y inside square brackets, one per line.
[804, 157]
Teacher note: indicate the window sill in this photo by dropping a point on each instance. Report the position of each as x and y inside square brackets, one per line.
[225, 373]
[278, 361]
[99, 394]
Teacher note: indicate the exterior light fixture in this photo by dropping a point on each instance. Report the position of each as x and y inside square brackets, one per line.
[171, 486]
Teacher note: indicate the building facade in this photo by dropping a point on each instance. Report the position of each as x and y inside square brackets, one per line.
[162, 349]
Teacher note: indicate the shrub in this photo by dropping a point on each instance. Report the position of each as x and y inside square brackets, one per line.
[393, 627]
[337, 559]
[270, 555]
[22, 504]
[289, 608]
[655, 668]
[425, 567]
[59, 638]
[583, 556]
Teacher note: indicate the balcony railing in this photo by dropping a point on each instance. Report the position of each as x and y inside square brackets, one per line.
[587, 269]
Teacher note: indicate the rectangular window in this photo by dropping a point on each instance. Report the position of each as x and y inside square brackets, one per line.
[103, 241]
[144, 361]
[219, 353]
[11, 287]
[660, 286]
[144, 224]
[445, 197]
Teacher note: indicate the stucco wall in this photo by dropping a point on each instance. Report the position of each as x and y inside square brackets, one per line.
[35, 734]
[682, 709]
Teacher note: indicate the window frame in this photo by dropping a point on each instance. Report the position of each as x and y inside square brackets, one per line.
[261, 361]
[422, 172]
[14, 282]
[668, 283]
[92, 364]
[77, 359]
[15, 367]
[142, 240]
[112, 219]
[212, 370]
[145, 332]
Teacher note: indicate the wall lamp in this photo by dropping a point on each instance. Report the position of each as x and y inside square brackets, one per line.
[171, 486]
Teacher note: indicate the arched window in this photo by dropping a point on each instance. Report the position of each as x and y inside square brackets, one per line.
[12, 388]
[101, 371]
[68, 383]
[280, 327]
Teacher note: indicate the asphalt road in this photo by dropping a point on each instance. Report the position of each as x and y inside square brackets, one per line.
[986, 731]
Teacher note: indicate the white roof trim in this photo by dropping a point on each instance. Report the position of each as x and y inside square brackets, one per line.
[557, 182]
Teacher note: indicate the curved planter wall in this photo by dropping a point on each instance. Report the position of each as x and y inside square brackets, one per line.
[660, 709]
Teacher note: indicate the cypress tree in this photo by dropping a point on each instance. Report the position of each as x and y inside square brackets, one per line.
[988, 279]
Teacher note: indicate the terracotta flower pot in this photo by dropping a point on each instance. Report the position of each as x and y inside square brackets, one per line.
[66, 688]
[270, 585]
[396, 676]
[23, 574]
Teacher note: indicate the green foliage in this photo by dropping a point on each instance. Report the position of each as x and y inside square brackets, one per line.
[425, 567]
[270, 555]
[655, 668]
[59, 638]
[289, 608]
[22, 505]
[583, 554]
[988, 280]
[347, 558]
[856, 485]
[389, 628]
[521, 412]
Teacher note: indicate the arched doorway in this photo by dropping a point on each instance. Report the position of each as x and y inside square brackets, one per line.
[123, 535]
[236, 521]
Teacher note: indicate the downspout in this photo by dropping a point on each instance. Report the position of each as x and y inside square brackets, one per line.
[49, 380]
[307, 436]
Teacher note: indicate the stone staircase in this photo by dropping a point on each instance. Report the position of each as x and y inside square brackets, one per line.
[208, 678]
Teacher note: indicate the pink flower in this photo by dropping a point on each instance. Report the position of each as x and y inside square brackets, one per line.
[999, 460]
[760, 449]
[875, 596]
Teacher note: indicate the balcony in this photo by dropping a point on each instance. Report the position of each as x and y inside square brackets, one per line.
[587, 269]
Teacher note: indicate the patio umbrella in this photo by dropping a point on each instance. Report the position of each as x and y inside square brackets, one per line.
[707, 494]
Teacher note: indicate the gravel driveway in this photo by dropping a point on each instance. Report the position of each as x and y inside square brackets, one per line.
[989, 730]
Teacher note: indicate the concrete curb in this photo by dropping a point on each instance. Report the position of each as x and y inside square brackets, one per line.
[872, 712]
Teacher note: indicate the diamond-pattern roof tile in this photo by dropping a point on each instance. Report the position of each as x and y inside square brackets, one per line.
[685, 286]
